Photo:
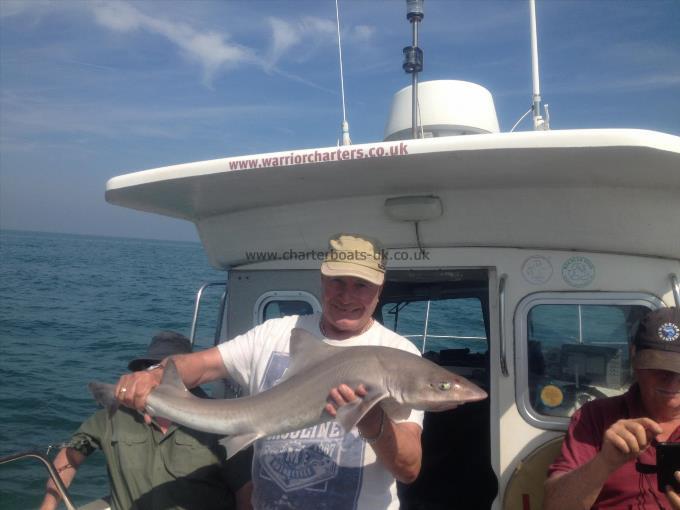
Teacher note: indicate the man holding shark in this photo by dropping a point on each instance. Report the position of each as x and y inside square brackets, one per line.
[322, 466]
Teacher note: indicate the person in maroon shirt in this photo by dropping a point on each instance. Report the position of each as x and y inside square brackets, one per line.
[609, 452]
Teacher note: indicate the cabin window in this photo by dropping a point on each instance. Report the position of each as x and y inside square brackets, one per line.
[272, 305]
[439, 325]
[575, 349]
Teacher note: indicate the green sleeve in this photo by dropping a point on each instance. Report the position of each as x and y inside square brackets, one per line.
[88, 436]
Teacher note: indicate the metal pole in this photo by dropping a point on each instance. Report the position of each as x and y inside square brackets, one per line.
[427, 321]
[414, 87]
[345, 125]
[50, 469]
[536, 97]
[675, 286]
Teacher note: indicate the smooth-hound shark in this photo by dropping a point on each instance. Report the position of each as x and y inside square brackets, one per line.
[396, 380]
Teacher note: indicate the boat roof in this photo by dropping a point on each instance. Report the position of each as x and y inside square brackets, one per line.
[595, 159]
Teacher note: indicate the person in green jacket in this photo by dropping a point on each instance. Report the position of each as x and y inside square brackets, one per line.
[160, 465]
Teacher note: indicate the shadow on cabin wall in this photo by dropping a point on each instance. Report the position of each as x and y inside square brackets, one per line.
[456, 469]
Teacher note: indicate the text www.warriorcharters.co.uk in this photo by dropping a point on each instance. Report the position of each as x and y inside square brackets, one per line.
[318, 156]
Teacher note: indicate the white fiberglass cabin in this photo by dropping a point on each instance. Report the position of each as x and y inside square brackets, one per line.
[520, 260]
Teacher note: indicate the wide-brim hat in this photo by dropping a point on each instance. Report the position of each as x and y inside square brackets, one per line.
[357, 256]
[657, 341]
[163, 344]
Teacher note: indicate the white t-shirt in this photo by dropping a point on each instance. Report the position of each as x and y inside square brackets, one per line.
[320, 467]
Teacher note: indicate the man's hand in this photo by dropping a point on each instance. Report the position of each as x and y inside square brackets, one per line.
[625, 440]
[342, 395]
[674, 497]
[133, 389]
[369, 426]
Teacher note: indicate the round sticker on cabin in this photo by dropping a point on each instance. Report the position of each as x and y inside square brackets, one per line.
[551, 396]
[578, 271]
[537, 269]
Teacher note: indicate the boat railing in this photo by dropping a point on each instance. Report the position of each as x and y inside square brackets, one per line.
[425, 336]
[675, 286]
[197, 308]
[50, 469]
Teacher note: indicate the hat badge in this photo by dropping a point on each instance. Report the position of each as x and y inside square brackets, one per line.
[669, 332]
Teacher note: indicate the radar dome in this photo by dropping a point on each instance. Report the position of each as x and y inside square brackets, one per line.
[447, 108]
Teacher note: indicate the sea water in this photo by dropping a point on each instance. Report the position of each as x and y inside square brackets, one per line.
[75, 309]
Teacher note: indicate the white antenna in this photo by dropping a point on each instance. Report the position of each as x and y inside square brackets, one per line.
[345, 125]
[540, 124]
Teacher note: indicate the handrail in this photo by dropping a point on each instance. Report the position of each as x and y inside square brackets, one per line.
[501, 324]
[50, 469]
[427, 323]
[457, 337]
[197, 307]
[220, 316]
[675, 286]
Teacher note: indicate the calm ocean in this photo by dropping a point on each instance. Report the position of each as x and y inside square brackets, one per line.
[74, 309]
[77, 308]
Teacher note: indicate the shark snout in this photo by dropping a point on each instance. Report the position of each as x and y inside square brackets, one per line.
[467, 391]
[474, 394]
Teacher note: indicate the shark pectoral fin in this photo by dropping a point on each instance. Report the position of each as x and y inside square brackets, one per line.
[351, 413]
[235, 444]
[395, 410]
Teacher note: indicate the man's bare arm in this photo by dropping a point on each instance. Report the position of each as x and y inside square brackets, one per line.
[622, 442]
[577, 489]
[397, 445]
[66, 463]
[194, 369]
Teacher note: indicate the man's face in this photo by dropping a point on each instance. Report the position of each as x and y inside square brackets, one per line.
[660, 390]
[348, 302]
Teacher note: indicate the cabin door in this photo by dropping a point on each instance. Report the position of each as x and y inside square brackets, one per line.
[446, 314]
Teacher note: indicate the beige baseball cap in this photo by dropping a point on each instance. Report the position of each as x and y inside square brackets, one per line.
[357, 256]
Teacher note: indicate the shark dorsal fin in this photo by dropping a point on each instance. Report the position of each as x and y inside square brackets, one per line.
[306, 350]
[171, 376]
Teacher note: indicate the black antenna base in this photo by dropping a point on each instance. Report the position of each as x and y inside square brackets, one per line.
[413, 59]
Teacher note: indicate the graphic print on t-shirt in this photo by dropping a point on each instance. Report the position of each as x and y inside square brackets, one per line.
[318, 467]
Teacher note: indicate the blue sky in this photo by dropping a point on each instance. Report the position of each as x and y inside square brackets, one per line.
[93, 89]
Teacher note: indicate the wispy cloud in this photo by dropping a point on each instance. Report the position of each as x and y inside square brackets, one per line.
[623, 84]
[10, 8]
[34, 115]
[284, 37]
[309, 35]
[213, 51]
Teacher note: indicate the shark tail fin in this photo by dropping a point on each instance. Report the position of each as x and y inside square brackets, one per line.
[104, 395]
[171, 376]
[235, 444]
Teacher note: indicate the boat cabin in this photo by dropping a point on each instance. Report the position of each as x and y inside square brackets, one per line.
[522, 261]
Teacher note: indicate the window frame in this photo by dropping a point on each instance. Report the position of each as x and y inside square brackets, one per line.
[282, 295]
[522, 395]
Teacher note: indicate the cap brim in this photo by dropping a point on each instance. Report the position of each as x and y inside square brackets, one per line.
[356, 270]
[657, 359]
[139, 363]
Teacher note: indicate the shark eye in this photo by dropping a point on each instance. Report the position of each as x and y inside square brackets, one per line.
[444, 386]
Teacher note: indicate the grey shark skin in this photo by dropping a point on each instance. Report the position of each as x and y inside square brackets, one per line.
[396, 380]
